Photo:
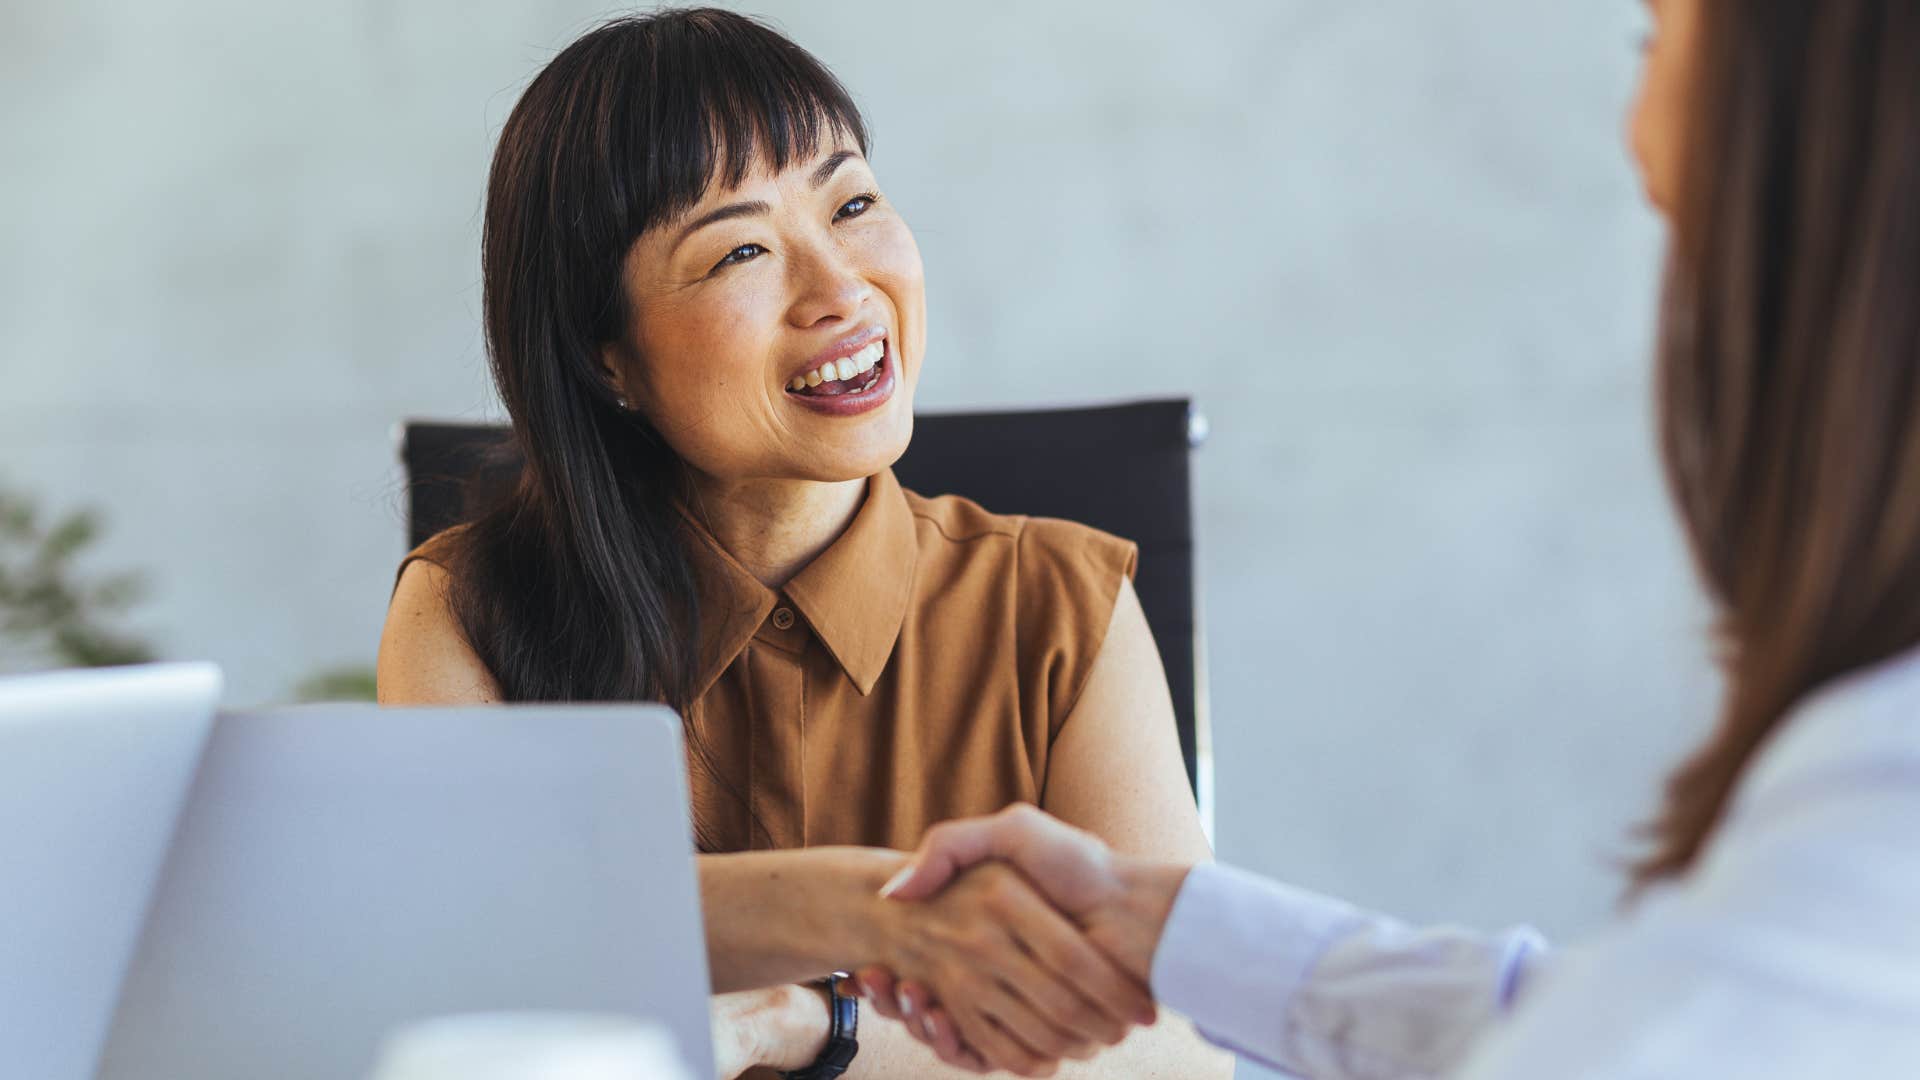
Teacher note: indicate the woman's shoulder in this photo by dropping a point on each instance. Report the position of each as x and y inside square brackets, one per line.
[1796, 923]
[1861, 729]
[1816, 852]
[441, 550]
[425, 658]
[1057, 582]
[1044, 552]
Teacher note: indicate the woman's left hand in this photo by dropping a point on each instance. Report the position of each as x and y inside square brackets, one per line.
[782, 1027]
[917, 1010]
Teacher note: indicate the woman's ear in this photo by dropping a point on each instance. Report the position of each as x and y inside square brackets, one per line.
[613, 366]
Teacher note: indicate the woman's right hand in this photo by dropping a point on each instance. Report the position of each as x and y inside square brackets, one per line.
[1020, 982]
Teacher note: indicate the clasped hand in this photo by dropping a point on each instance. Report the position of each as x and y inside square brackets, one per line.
[1035, 981]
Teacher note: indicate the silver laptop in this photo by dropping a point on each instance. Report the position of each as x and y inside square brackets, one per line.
[94, 766]
[343, 871]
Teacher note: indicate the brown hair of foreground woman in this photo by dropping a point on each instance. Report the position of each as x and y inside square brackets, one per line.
[1789, 369]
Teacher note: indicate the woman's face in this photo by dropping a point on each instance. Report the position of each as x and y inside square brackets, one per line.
[1660, 108]
[778, 326]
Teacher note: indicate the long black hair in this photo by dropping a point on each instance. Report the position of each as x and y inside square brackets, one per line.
[576, 586]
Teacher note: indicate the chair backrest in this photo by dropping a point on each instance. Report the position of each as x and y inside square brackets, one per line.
[1121, 468]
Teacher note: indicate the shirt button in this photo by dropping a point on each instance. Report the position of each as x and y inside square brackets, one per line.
[783, 619]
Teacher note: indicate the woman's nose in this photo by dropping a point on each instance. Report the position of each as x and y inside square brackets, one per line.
[826, 287]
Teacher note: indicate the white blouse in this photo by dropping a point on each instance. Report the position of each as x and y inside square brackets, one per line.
[1792, 949]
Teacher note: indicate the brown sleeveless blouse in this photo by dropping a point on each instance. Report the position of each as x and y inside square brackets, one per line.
[918, 670]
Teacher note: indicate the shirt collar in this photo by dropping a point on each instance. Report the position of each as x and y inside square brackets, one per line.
[854, 595]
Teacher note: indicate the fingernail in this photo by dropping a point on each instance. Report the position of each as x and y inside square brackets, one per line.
[926, 1028]
[905, 1003]
[896, 881]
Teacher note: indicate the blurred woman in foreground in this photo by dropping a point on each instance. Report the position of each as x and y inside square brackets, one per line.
[1777, 933]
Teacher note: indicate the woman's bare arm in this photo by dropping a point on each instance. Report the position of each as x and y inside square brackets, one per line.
[424, 656]
[1116, 771]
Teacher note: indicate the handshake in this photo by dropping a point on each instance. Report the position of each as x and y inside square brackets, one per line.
[1063, 968]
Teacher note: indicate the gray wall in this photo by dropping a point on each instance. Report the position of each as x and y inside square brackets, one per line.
[1392, 246]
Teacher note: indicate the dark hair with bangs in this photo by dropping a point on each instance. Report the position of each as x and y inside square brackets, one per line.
[575, 586]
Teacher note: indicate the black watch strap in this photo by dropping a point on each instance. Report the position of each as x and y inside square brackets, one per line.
[842, 1038]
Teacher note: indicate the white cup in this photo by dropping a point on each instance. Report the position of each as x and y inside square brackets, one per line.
[531, 1046]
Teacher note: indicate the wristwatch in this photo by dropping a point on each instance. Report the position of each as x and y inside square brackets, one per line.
[841, 1042]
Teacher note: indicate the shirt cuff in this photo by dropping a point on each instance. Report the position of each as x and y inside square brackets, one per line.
[1236, 949]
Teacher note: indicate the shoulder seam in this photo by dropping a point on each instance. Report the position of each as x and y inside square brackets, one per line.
[1010, 531]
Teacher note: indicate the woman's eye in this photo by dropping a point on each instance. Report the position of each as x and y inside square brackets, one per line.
[740, 254]
[855, 206]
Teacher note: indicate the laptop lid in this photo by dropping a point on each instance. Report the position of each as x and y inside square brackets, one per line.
[94, 766]
[341, 871]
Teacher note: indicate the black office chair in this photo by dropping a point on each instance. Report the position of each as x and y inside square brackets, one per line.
[1121, 468]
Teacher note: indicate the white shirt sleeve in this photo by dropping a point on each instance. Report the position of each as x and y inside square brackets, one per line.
[1325, 990]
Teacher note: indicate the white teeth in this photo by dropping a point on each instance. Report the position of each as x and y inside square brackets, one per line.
[842, 369]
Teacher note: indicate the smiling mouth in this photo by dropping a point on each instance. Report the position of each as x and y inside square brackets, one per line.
[855, 374]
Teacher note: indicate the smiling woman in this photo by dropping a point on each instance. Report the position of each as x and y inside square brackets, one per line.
[707, 323]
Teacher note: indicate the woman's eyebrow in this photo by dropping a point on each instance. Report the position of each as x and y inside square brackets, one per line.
[724, 213]
[832, 165]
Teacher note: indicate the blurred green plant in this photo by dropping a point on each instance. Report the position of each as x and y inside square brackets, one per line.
[53, 616]
[337, 684]
[50, 615]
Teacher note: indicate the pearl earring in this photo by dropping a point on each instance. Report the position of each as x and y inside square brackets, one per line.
[620, 401]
